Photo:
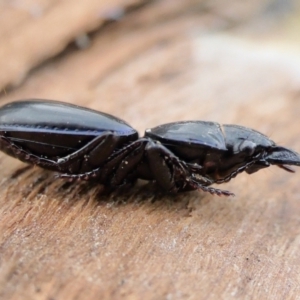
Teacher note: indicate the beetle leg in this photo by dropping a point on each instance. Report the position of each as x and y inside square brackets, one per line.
[82, 176]
[198, 182]
[160, 159]
[166, 168]
[93, 153]
[129, 163]
[8, 146]
[240, 169]
[195, 184]
[118, 166]
[103, 144]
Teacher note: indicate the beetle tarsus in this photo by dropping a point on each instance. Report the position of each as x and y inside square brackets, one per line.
[211, 190]
[84, 176]
[20, 153]
[238, 170]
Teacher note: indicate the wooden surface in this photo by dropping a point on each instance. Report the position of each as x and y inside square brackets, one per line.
[160, 61]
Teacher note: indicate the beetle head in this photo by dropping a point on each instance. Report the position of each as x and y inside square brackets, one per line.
[245, 144]
[276, 155]
[257, 149]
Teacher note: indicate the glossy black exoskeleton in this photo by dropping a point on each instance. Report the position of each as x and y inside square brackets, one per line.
[82, 143]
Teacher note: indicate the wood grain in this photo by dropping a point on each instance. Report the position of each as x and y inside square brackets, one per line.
[164, 61]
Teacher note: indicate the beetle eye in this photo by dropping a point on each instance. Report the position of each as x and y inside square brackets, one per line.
[247, 147]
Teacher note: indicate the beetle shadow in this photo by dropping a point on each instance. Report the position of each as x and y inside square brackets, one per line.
[17, 173]
[140, 193]
[147, 196]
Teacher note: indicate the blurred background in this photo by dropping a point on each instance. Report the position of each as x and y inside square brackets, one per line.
[225, 61]
[149, 63]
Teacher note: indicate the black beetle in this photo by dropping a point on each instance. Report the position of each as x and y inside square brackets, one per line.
[85, 144]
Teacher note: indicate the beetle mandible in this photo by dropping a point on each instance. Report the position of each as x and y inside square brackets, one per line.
[81, 143]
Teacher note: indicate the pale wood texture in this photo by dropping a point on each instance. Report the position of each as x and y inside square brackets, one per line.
[162, 61]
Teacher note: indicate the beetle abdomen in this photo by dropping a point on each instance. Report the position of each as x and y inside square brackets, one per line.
[59, 117]
[57, 128]
[236, 133]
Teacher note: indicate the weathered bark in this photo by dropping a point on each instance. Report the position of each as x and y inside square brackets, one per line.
[161, 62]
